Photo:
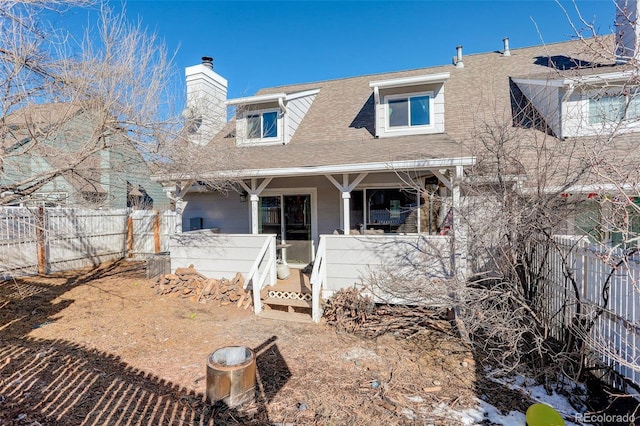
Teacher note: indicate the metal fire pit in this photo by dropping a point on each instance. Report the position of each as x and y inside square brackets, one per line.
[231, 375]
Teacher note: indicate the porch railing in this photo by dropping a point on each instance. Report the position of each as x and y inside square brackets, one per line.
[318, 279]
[258, 278]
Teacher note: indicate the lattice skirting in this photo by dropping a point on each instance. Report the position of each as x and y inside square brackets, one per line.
[289, 295]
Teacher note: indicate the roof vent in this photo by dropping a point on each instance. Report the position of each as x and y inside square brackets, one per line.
[457, 60]
[207, 61]
[506, 52]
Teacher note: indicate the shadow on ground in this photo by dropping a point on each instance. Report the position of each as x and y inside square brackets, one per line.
[57, 382]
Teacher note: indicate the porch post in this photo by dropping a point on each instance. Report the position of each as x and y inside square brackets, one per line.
[254, 196]
[346, 196]
[254, 213]
[459, 234]
[179, 191]
[180, 206]
[345, 189]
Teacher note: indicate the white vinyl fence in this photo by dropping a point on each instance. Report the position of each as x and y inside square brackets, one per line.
[42, 240]
[608, 286]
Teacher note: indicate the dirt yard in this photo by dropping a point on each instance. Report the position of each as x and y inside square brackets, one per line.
[99, 347]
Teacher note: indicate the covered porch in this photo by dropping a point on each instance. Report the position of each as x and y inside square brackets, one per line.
[342, 223]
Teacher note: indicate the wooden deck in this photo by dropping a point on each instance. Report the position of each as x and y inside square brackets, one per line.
[297, 282]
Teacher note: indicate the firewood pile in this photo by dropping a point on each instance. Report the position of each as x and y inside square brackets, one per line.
[188, 283]
[349, 310]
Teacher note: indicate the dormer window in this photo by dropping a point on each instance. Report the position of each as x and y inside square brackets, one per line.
[270, 119]
[614, 108]
[583, 105]
[409, 110]
[409, 105]
[263, 125]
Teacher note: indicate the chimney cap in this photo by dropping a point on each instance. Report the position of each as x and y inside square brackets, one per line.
[207, 61]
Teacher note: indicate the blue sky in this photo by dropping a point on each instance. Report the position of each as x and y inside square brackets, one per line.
[263, 44]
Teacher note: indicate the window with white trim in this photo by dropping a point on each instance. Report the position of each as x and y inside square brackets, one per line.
[389, 210]
[409, 110]
[262, 125]
[614, 107]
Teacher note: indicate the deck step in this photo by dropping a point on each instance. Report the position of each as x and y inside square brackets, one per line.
[286, 316]
[297, 303]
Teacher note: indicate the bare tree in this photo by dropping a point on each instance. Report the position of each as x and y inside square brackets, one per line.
[556, 249]
[553, 230]
[93, 115]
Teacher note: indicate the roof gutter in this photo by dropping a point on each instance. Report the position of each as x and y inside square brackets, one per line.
[581, 189]
[260, 99]
[424, 164]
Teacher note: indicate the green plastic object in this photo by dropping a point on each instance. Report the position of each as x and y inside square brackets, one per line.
[543, 415]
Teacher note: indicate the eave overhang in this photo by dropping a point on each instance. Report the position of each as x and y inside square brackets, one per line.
[272, 97]
[410, 81]
[621, 76]
[401, 165]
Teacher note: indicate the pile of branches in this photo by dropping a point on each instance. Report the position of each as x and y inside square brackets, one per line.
[350, 310]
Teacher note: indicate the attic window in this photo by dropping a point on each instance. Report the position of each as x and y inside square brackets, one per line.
[409, 105]
[409, 111]
[263, 125]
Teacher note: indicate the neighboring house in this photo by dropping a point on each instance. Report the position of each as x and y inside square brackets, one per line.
[51, 156]
[348, 156]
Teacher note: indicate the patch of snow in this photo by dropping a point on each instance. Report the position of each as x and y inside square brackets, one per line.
[487, 412]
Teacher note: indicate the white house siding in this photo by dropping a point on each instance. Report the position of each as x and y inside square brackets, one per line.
[575, 118]
[296, 110]
[215, 255]
[231, 216]
[223, 211]
[351, 260]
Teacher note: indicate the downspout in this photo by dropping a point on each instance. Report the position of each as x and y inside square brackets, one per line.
[563, 102]
[285, 121]
[282, 105]
[376, 102]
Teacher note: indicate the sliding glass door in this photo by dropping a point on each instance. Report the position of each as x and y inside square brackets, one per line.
[289, 217]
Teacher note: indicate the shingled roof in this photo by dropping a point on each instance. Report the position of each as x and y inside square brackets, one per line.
[339, 126]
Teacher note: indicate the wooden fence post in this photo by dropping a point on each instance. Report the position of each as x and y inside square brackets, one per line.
[156, 232]
[41, 241]
[129, 235]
